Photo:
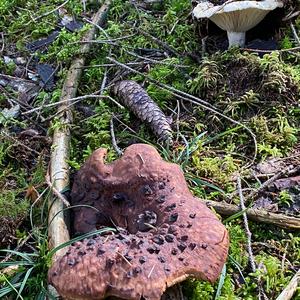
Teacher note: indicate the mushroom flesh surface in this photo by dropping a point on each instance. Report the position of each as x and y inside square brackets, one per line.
[236, 17]
[165, 234]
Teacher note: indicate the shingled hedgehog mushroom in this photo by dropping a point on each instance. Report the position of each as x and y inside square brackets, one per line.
[236, 17]
[165, 235]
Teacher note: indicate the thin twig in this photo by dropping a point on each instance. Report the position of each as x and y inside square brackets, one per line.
[7, 257]
[2, 41]
[125, 125]
[248, 232]
[268, 51]
[158, 42]
[108, 41]
[130, 264]
[20, 143]
[155, 61]
[51, 11]
[103, 83]
[268, 182]
[97, 26]
[295, 34]
[84, 5]
[75, 99]
[113, 138]
[57, 193]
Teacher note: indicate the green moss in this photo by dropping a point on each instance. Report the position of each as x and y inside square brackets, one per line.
[272, 274]
[198, 290]
[237, 249]
[218, 169]
[11, 206]
[65, 46]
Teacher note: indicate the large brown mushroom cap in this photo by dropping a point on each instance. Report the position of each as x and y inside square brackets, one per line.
[167, 234]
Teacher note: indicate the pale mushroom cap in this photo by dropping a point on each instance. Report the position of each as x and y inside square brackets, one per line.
[237, 16]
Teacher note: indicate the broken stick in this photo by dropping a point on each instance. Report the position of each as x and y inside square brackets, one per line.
[59, 169]
[291, 288]
[259, 215]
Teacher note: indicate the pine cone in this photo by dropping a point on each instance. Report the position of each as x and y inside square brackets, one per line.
[134, 97]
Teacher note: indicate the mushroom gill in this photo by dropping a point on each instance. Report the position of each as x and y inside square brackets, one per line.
[236, 17]
[165, 235]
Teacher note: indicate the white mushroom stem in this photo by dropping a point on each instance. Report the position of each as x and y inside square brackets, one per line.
[236, 38]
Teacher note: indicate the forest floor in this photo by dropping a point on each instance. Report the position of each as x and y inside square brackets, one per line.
[235, 116]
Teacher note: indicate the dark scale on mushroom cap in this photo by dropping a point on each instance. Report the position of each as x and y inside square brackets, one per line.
[161, 199]
[146, 190]
[143, 259]
[172, 229]
[119, 197]
[174, 251]
[153, 249]
[81, 252]
[161, 185]
[173, 217]
[146, 221]
[169, 238]
[170, 207]
[181, 246]
[184, 238]
[128, 257]
[100, 251]
[204, 246]
[160, 241]
[193, 215]
[161, 259]
[71, 262]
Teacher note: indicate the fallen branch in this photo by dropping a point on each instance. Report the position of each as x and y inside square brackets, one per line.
[291, 288]
[59, 168]
[259, 215]
[269, 51]
[268, 182]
